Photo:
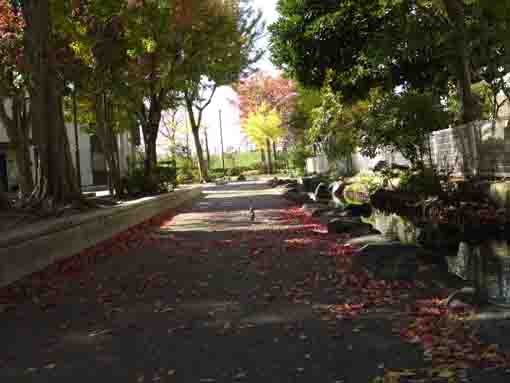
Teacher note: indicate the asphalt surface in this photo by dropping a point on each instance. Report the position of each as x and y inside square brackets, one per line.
[210, 297]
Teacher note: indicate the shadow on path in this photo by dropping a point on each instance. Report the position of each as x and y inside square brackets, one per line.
[211, 297]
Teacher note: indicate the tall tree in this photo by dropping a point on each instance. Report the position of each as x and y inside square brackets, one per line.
[96, 34]
[14, 113]
[219, 47]
[265, 89]
[155, 32]
[470, 106]
[412, 44]
[56, 181]
[264, 127]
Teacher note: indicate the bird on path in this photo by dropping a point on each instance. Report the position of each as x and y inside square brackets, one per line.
[252, 211]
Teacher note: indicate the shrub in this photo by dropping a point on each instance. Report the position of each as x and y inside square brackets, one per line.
[371, 181]
[297, 157]
[216, 173]
[234, 172]
[186, 171]
[136, 183]
[166, 175]
[424, 181]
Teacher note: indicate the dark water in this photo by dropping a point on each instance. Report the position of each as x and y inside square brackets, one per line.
[485, 263]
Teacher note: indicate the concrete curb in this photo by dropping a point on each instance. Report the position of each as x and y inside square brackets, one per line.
[37, 246]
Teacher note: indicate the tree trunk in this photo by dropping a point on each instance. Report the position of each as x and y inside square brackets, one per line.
[202, 168]
[275, 155]
[470, 106]
[150, 130]
[208, 154]
[4, 201]
[268, 158]
[108, 140]
[56, 181]
[17, 128]
[150, 136]
[195, 130]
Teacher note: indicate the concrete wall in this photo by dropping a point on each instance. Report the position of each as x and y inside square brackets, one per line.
[358, 163]
[479, 148]
[32, 248]
[318, 165]
[362, 163]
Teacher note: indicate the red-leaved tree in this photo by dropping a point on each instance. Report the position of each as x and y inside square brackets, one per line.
[264, 89]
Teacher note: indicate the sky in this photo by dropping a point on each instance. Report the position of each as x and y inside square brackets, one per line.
[225, 97]
[232, 136]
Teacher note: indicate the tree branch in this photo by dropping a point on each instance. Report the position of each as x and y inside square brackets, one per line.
[201, 108]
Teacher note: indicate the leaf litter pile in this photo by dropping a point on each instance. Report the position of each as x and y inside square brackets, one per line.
[451, 347]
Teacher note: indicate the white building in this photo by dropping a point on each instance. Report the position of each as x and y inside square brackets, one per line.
[92, 160]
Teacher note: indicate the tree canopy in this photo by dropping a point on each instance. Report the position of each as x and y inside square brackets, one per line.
[420, 45]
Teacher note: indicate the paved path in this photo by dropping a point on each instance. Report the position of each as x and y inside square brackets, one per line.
[212, 298]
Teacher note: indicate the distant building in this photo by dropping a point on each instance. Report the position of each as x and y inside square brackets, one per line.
[92, 160]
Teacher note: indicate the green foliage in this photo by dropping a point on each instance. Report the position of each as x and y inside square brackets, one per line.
[361, 187]
[402, 122]
[424, 182]
[367, 44]
[167, 173]
[186, 171]
[262, 125]
[301, 117]
[334, 127]
[416, 45]
[233, 172]
[482, 91]
[248, 160]
[371, 181]
[297, 157]
[136, 182]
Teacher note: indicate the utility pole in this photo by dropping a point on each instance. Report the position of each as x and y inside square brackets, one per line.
[221, 138]
[206, 137]
[76, 138]
[188, 150]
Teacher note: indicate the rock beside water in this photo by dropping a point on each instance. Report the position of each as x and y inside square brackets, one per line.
[296, 196]
[352, 226]
[321, 193]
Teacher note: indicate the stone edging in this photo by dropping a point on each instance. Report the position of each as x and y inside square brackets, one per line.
[37, 246]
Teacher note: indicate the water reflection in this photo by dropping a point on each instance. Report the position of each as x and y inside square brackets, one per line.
[485, 264]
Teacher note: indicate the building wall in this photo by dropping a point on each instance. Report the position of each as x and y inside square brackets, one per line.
[317, 165]
[3, 134]
[85, 153]
[479, 148]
